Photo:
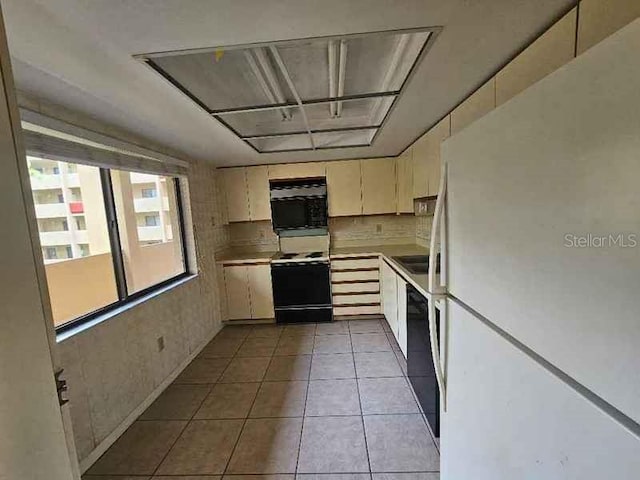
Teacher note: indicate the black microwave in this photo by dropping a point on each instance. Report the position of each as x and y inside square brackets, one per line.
[299, 204]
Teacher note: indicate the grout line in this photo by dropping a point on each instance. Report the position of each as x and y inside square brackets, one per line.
[364, 430]
[186, 425]
[306, 399]
[200, 406]
[244, 422]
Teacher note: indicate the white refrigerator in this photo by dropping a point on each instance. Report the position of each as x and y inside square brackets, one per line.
[539, 228]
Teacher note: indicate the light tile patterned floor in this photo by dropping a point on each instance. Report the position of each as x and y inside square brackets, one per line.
[320, 402]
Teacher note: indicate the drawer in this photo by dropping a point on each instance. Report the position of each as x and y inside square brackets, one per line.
[355, 299]
[355, 276]
[352, 264]
[362, 310]
[359, 287]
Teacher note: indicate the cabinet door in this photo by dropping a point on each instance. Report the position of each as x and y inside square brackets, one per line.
[389, 297]
[297, 170]
[437, 135]
[402, 314]
[344, 188]
[258, 191]
[222, 216]
[261, 291]
[421, 167]
[378, 186]
[237, 289]
[550, 51]
[236, 194]
[404, 180]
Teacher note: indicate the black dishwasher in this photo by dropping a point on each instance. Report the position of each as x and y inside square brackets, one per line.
[420, 369]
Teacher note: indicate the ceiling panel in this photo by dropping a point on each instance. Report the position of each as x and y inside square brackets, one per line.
[321, 84]
[266, 122]
[365, 112]
[350, 138]
[282, 144]
[219, 79]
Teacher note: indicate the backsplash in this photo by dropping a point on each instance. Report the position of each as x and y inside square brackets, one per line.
[372, 230]
[344, 231]
[255, 235]
[423, 230]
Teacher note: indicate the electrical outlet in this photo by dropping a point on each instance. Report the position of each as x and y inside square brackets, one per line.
[160, 344]
[378, 228]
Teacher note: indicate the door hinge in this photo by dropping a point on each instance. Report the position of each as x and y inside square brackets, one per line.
[61, 387]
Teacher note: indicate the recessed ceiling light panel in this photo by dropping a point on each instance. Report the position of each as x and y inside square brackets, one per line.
[309, 94]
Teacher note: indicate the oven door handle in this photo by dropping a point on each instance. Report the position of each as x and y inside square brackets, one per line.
[435, 354]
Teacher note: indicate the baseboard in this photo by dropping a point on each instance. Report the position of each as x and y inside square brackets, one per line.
[110, 439]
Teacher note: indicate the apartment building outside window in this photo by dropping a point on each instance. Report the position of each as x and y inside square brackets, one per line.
[107, 235]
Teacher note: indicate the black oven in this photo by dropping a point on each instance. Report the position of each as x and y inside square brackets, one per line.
[298, 204]
[302, 291]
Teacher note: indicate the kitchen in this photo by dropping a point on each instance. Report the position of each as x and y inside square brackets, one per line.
[355, 249]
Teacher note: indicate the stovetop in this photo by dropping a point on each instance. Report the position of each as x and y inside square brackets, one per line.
[301, 257]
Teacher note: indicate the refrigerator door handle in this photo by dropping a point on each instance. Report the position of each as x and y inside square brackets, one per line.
[435, 354]
[435, 231]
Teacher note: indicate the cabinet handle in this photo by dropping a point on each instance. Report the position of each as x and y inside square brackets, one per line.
[435, 354]
[435, 230]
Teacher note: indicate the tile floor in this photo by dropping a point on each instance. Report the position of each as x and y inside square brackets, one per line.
[316, 402]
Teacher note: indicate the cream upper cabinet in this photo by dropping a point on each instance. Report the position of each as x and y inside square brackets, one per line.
[235, 186]
[404, 180]
[426, 159]
[260, 290]
[221, 216]
[258, 191]
[437, 135]
[598, 19]
[378, 186]
[550, 51]
[344, 188]
[297, 170]
[479, 103]
[420, 167]
[236, 283]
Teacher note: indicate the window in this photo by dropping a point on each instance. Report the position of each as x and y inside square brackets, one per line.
[107, 256]
[149, 192]
[152, 220]
[56, 170]
[151, 255]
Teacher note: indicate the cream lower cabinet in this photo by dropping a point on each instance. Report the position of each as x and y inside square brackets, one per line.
[394, 303]
[248, 292]
[236, 282]
[401, 289]
[389, 294]
[261, 291]
[355, 285]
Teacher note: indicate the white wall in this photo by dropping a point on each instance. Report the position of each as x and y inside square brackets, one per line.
[114, 367]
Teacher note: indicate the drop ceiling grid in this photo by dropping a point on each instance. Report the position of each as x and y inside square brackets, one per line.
[274, 122]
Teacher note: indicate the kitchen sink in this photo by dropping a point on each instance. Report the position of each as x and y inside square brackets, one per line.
[417, 264]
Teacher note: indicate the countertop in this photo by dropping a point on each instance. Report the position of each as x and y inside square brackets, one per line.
[419, 281]
[386, 250]
[247, 256]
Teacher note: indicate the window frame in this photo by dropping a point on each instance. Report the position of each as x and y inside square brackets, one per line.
[125, 298]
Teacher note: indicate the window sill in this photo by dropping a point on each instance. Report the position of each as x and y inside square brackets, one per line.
[119, 309]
